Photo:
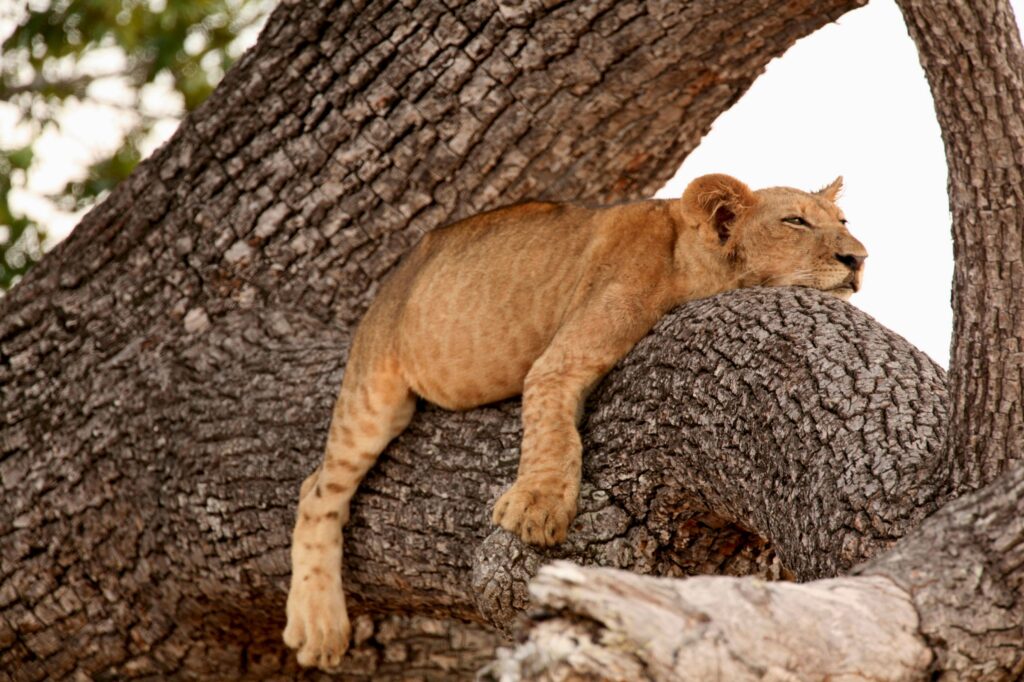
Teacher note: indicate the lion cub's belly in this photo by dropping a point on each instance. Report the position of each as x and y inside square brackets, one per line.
[475, 344]
[468, 334]
[482, 299]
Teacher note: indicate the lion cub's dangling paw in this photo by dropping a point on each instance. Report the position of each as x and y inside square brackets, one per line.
[317, 626]
[539, 513]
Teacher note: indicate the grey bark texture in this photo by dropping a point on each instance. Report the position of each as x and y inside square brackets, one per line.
[972, 55]
[167, 373]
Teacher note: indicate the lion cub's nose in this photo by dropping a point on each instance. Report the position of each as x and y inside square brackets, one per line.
[851, 261]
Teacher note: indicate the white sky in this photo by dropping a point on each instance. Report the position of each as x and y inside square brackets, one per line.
[849, 100]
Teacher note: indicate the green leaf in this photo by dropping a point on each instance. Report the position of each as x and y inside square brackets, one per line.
[40, 70]
[20, 158]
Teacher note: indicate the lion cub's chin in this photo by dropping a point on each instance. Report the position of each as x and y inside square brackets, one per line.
[843, 293]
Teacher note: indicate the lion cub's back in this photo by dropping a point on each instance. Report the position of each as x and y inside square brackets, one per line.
[486, 297]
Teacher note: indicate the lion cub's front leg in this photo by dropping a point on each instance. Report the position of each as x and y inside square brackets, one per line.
[541, 504]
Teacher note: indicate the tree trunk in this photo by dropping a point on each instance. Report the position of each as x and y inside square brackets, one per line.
[972, 55]
[167, 373]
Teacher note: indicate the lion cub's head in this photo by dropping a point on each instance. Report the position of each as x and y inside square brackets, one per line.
[778, 236]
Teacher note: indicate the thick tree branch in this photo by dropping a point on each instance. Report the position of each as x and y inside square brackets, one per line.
[752, 405]
[948, 601]
[726, 376]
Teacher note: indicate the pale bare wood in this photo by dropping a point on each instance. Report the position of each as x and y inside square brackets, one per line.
[621, 626]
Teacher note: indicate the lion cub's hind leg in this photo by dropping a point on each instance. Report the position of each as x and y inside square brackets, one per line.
[374, 406]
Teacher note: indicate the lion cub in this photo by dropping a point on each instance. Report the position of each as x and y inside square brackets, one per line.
[540, 299]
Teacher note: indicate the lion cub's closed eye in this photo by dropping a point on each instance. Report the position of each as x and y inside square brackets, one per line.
[540, 299]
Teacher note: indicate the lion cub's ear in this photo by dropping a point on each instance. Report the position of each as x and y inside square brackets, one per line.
[719, 200]
[832, 191]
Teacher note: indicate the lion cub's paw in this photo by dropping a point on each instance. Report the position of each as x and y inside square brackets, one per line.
[317, 624]
[537, 513]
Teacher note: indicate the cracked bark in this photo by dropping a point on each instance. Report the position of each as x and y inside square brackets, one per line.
[167, 373]
[972, 56]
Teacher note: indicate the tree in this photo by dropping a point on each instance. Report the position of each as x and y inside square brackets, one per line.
[174, 362]
[49, 59]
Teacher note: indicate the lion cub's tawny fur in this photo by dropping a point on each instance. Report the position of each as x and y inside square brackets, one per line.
[540, 299]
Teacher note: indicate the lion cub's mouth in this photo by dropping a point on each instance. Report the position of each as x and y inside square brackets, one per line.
[843, 291]
[847, 288]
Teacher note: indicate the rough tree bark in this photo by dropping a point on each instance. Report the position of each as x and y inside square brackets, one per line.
[962, 574]
[972, 55]
[167, 373]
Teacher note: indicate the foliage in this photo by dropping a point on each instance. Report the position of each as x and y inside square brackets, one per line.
[19, 237]
[60, 51]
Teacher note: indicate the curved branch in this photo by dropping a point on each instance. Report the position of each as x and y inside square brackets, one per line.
[973, 58]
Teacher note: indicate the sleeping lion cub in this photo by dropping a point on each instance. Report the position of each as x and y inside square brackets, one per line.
[540, 299]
